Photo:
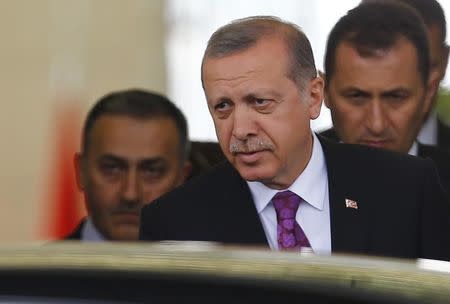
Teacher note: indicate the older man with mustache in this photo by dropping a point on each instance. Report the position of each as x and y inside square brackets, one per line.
[284, 187]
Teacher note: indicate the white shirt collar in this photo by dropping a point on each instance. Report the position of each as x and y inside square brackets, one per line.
[414, 149]
[428, 133]
[309, 185]
[89, 233]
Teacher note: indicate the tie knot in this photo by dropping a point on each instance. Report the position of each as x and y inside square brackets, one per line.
[286, 204]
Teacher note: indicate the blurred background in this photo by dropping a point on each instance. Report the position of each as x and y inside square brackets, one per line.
[58, 57]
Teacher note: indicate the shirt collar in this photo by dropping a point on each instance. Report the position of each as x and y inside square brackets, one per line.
[414, 149]
[310, 185]
[89, 233]
[429, 132]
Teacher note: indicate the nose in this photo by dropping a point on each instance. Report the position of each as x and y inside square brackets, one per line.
[130, 187]
[376, 120]
[244, 124]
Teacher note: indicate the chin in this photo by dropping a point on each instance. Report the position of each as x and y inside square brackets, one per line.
[255, 174]
[127, 234]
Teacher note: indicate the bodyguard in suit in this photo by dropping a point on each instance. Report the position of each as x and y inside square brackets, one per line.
[134, 148]
[283, 187]
[434, 131]
[379, 83]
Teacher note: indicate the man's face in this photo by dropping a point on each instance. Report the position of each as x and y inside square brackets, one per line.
[379, 100]
[262, 120]
[130, 162]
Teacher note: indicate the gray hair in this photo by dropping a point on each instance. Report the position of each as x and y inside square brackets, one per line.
[244, 33]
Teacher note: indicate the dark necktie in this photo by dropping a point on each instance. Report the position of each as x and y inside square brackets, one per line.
[289, 233]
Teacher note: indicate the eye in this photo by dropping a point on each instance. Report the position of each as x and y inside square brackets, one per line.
[111, 169]
[262, 105]
[356, 97]
[222, 106]
[261, 102]
[222, 109]
[396, 98]
[153, 171]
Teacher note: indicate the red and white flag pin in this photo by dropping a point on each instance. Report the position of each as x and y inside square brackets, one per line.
[351, 204]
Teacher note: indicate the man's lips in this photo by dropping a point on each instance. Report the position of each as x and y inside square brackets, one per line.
[375, 143]
[127, 217]
[249, 157]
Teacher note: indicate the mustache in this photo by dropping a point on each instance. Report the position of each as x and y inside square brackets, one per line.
[128, 207]
[250, 145]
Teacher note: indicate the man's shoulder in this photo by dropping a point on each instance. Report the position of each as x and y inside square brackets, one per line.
[361, 157]
[76, 233]
[330, 134]
[439, 156]
[212, 181]
[221, 179]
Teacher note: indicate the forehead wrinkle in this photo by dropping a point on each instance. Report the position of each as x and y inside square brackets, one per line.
[239, 78]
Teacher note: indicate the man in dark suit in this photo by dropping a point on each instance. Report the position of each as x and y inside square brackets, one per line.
[434, 130]
[379, 84]
[134, 148]
[283, 186]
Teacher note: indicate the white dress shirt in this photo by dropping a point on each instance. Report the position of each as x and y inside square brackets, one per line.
[428, 133]
[89, 233]
[414, 149]
[313, 214]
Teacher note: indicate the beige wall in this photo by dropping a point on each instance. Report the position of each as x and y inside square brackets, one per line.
[56, 52]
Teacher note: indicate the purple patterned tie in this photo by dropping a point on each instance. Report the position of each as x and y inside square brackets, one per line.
[289, 233]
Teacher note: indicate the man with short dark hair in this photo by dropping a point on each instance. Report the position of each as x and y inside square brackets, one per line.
[379, 82]
[434, 130]
[134, 148]
[284, 187]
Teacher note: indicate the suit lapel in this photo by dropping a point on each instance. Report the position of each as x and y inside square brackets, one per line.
[349, 225]
[243, 222]
[76, 234]
[443, 133]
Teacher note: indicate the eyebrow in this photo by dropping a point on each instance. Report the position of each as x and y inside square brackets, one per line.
[152, 161]
[143, 161]
[111, 157]
[262, 93]
[364, 92]
[348, 90]
[396, 91]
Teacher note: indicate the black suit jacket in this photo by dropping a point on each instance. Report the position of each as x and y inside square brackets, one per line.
[402, 208]
[440, 157]
[76, 234]
[443, 135]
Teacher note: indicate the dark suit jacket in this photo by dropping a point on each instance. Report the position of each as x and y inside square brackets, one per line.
[443, 135]
[402, 209]
[204, 155]
[76, 234]
[440, 157]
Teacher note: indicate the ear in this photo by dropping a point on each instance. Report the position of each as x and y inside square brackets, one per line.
[326, 99]
[446, 54]
[79, 171]
[315, 96]
[431, 90]
[186, 171]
